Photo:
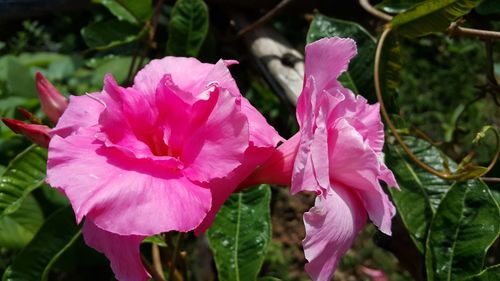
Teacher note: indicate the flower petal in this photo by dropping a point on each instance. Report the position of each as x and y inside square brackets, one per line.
[331, 227]
[326, 59]
[123, 195]
[122, 251]
[261, 133]
[82, 112]
[216, 148]
[354, 164]
[187, 73]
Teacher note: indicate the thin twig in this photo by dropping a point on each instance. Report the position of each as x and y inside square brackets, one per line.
[155, 253]
[489, 179]
[175, 253]
[265, 18]
[374, 11]
[151, 270]
[453, 30]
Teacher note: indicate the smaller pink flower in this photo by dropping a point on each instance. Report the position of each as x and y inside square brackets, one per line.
[53, 103]
[337, 154]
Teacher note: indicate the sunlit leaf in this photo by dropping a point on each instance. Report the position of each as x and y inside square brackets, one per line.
[431, 16]
[240, 234]
[465, 225]
[25, 173]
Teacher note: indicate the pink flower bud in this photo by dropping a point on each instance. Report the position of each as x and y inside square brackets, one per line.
[53, 103]
[38, 134]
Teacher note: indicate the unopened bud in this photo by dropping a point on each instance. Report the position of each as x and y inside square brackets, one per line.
[38, 134]
[53, 103]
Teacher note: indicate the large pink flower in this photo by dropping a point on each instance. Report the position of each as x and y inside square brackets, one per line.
[337, 154]
[159, 156]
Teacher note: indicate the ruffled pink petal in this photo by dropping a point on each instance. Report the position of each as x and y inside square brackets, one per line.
[122, 251]
[326, 59]
[387, 176]
[261, 133]
[223, 188]
[129, 122]
[364, 117]
[331, 227]
[216, 148]
[352, 161]
[379, 208]
[187, 73]
[82, 112]
[354, 164]
[123, 195]
[303, 171]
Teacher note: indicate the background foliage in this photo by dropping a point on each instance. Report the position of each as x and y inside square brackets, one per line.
[440, 90]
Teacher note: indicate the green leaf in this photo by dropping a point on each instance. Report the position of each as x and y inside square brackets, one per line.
[397, 6]
[465, 225]
[20, 81]
[132, 11]
[489, 274]
[488, 7]
[188, 28]
[431, 16]
[18, 228]
[25, 173]
[389, 72]
[108, 34]
[359, 77]
[34, 262]
[420, 192]
[117, 66]
[240, 234]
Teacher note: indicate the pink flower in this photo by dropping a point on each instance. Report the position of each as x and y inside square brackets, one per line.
[161, 155]
[53, 103]
[336, 154]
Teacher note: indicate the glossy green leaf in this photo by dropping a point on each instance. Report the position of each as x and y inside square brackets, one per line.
[132, 11]
[188, 27]
[359, 77]
[240, 234]
[389, 72]
[24, 173]
[56, 235]
[465, 225]
[18, 228]
[420, 192]
[489, 274]
[431, 16]
[397, 6]
[108, 34]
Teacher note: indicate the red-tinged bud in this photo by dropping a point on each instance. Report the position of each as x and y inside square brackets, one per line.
[38, 134]
[53, 103]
